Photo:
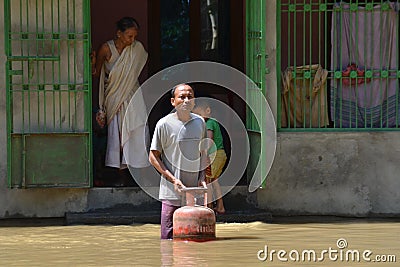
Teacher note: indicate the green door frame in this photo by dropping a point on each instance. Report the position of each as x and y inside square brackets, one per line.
[256, 70]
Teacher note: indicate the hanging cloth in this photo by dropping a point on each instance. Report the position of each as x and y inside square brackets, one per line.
[367, 39]
[304, 101]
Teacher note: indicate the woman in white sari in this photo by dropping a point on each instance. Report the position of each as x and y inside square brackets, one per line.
[118, 64]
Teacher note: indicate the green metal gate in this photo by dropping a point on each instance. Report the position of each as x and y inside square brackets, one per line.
[48, 77]
[256, 70]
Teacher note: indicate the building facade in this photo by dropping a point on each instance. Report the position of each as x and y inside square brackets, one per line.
[330, 79]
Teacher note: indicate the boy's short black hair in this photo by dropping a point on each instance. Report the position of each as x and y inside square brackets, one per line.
[176, 86]
[202, 103]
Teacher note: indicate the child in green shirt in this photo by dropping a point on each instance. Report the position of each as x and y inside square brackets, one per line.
[216, 153]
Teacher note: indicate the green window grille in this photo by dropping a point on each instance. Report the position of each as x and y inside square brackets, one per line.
[48, 78]
[256, 70]
[339, 65]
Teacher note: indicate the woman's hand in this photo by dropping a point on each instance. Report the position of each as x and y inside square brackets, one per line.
[101, 118]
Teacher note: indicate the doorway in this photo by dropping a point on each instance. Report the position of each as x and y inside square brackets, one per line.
[172, 31]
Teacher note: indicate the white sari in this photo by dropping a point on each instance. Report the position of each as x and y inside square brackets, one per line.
[115, 94]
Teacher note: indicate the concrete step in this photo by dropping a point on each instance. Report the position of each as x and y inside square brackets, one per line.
[132, 205]
[126, 218]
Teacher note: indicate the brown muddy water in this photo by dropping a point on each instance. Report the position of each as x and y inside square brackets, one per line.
[319, 242]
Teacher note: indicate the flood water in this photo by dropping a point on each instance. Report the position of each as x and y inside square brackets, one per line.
[288, 242]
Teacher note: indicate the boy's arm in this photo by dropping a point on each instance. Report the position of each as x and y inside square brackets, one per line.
[204, 159]
[210, 134]
[155, 160]
[202, 172]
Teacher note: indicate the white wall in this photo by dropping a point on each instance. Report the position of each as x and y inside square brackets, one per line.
[351, 174]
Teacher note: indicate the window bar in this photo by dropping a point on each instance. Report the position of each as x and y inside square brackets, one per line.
[372, 50]
[349, 12]
[383, 66]
[278, 61]
[333, 64]
[25, 50]
[389, 76]
[326, 56]
[44, 70]
[289, 50]
[294, 63]
[262, 54]
[37, 64]
[53, 64]
[257, 65]
[75, 67]
[68, 67]
[319, 99]
[338, 66]
[252, 54]
[368, 49]
[303, 93]
[340, 69]
[319, 31]
[397, 68]
[363, 87]
[310, 63]
[389, 72]
[316, 19]
[387, 12]
[366, 46]
[60, 80]
[248, 31]
[8, 50]
[8, 80]
[357, 87]
[29, 66]
[87, 71]
[22, 65]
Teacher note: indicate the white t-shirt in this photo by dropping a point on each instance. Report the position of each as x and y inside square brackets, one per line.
[179, 144]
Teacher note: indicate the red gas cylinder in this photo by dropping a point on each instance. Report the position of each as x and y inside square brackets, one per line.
[194, 223]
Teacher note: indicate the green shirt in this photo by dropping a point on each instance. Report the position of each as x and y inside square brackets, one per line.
[213, 125]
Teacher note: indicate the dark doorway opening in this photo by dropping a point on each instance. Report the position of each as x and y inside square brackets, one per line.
[172, 31]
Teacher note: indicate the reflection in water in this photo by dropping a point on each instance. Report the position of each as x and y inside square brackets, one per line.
[236, 244]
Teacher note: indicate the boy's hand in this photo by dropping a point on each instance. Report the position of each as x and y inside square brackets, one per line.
[203, 184]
